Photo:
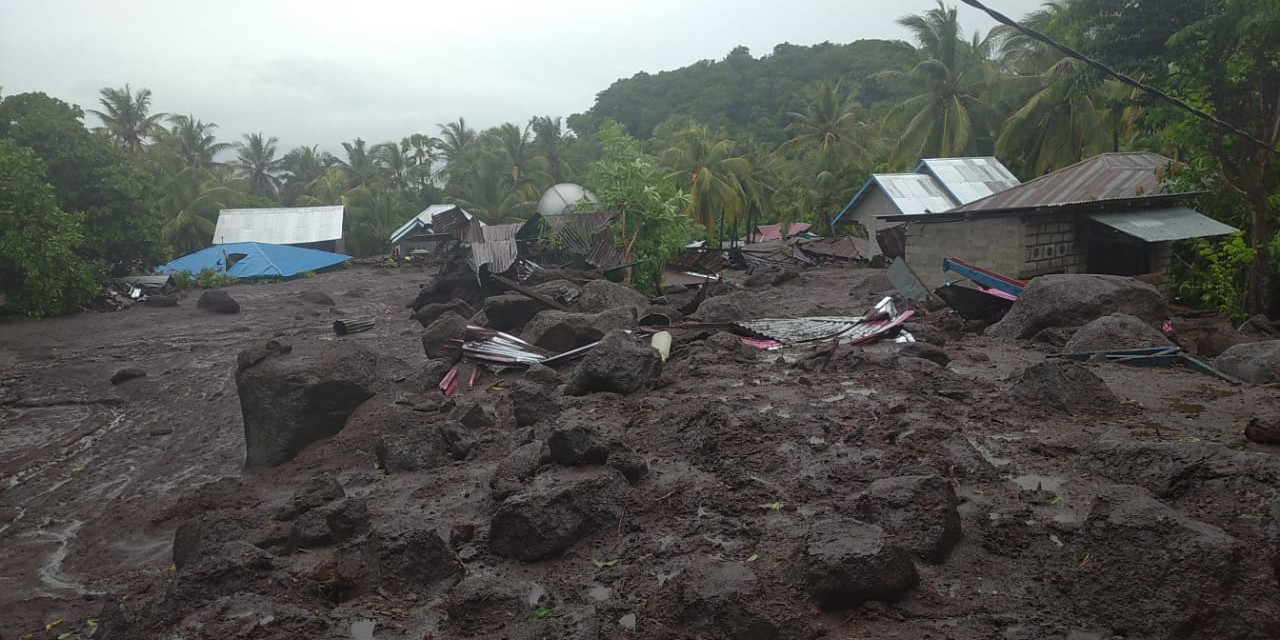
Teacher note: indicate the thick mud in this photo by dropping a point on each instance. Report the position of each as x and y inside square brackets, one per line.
[1152, 517]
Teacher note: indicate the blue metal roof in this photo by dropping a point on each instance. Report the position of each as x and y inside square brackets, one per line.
[254, 260]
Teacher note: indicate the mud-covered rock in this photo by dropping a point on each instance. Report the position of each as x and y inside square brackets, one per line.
[1263, 431]
[531, 402]
[413, 560]
[554, 511]
[1068, 300]
[1115, 331]
[1188, 572]
[730, 307]
[630, 464]
[429, 313]
[230, 567]
[316, 297]
[926, 351]
[515, 470]
[577, 446]
[476, 415]
[128, 373]
[1065, 386]
[508, 312]
[1252, 362]
[481, 604]
[565, 292]
[541, 374]
[423, 447]
[330, 524]
[1172, 468]
[601, 295]
[218, 301]
[560, 331]
[719, 597]
[436, 338]
[318, 491]
[292, 400]
[918, 512]
[619, 364]
[845, 563]
[161, 301]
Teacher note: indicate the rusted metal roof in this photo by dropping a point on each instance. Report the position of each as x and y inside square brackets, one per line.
[767, 232]
[700, 260]
[458, 224]
[290, 225]
[423, 221]
[605, 255]
[969, 179]
[844, 247]
[1109, 176]
[893, 241]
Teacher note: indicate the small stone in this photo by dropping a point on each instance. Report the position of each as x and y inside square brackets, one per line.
[577, 446]
[125, 375]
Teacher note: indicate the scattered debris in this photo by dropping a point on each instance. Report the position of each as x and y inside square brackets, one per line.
[1151, 357]
[880, 321]
[343, 327]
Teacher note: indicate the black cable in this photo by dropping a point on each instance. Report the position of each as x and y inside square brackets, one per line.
[1036, 35]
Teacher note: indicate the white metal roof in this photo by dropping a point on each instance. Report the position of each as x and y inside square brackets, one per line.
[292, 225]
[969, 179]
[1160, 225]
[914, 193]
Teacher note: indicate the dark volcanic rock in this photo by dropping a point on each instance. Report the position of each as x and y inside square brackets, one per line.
[218, 301]
[560, 331]
[405, 561]
[127, 374]
[432, 312]
[619, 364]
[631, 465]
[731, 307]
[565, 292]
[720, 598]
[1263, 431]
[291, 400]
[847, 562]
[918, 512]
[508, 312]
[1115, 332]
[926, 351]
[602, 295]
[199, 537]
[577, 447]
[318, 491]
[1252, 362]
[531, 402]
[316, 297]
[335, 523]
[1068, 300]
[435, 338]
[556, 510]
[515, 470]
[423, 447]
[229, 568]
[1065, 386]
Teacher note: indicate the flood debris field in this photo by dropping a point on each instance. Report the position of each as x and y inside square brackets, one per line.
[873, 491]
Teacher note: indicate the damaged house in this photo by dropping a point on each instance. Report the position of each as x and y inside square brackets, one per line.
[304, 227]
[1107, 214]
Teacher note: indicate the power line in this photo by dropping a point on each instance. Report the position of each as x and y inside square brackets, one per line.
[1199, 113]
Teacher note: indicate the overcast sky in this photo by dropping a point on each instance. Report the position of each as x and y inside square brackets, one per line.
[321, 72]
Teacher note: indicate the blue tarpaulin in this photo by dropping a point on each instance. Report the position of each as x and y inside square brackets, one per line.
[254, 260]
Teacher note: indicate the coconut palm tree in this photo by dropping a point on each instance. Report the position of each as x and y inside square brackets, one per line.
[455, 139]
[552, 144]
[1060, 124]
[516, 150]
[257, 165]
[950, 116]
[192, 140]
[830, 126]
[360, 165]
[126, 117]
[713, 176]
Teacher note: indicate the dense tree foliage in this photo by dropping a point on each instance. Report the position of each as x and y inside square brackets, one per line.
[788, 136]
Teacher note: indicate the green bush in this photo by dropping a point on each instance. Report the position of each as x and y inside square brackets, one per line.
[210, 278]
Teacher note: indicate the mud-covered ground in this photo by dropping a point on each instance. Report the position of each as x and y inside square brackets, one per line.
[1151, 518]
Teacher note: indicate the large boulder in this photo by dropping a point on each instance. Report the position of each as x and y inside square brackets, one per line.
[435, 339]
[560, 331]
[1065, 386]
[1114, 332]
[918, 512]
[1070, 300]
[1252, 362]
[731, 307]
[600, 295]
[619, 364]
[429, 313]
[507, 312]
[218, 301]
[292, 399]
[845, 563]
[554, 511]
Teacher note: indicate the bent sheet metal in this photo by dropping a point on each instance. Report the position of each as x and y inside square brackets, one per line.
[877, 323]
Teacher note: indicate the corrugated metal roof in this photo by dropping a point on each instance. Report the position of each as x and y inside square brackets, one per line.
[605, 255]
[495, 232]
[459, 224]
[1109, 176]
[423, 220]
[846, 247]
[292, 225]
[969, 179]
[1160, 225]
[914, 193]
[767, 232]
[499, 255]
